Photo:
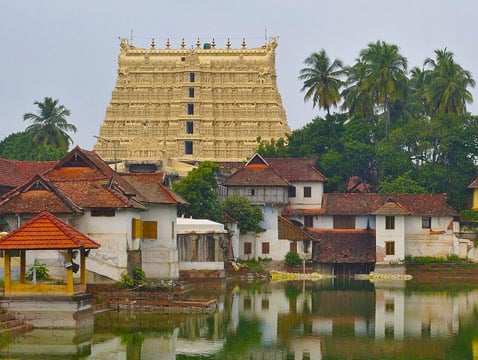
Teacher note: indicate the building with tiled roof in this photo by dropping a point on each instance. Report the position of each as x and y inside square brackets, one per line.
[349, 232]
[274, 185]
[42, 233]
[14, 172]
[132, 216]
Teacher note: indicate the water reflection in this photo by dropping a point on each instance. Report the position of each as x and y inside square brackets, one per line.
[322, 320]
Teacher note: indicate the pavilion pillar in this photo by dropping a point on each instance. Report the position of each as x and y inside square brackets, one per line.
[8, 273]
[23, 266]
[83, 268]
[69, 277]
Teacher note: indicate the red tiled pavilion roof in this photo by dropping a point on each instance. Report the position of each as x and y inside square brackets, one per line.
[46, 232]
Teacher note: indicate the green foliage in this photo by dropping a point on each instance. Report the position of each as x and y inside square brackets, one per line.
[125, 282]
[273, 148]
[41, 272]
[21, 146]
[428, 260]
[138, 275]
[403, 184]
[50, 126]
[248, 216]
[292, 258]
[469, 215]
[199, 189]
[253, 265]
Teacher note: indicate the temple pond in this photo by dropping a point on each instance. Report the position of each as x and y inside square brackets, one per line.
[328, 319]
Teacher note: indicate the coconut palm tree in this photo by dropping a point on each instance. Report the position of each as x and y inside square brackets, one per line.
[49, 124]
[447, 86]
[321, 80]
[385, 75]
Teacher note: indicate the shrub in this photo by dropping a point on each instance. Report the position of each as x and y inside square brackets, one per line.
[138, 275]
[292, 258]
[125, 282]
[41, 272]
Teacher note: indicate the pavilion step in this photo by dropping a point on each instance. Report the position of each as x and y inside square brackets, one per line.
[10, 324]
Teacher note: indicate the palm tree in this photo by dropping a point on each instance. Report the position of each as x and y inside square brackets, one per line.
[385, 75]
[49, 124]
[322, 80]
[447, 86]
[356, 100]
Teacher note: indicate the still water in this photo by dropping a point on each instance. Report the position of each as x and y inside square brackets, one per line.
[295, 320]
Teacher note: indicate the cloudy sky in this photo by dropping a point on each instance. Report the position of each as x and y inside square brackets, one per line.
[68, 50]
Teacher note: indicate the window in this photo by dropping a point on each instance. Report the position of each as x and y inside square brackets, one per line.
[292, 191]
[389, 247]
[307, 191]
[344, 222]
[188, 147]
[103, 212]
[189, 127]
[190, 109]
[426, 222]
[308, 221]
[293, 247]
[389, 222]
[183, 58]
[150, 230]
[390, 306]
[192, 77]
[265, 304]
[136, 229]
[247, 303]
[191, 92]
[265, 248]
[252, 192]
[247, 248]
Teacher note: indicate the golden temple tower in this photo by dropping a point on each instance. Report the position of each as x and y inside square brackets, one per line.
[182, 106]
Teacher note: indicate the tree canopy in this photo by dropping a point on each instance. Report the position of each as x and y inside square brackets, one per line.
[199, 189]
[21, 146]
[396, 130]
[50, 126]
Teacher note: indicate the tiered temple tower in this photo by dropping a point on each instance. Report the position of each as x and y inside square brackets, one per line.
[182, 106]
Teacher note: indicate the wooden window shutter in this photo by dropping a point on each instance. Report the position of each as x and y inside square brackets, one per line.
[137, 229]
[150, 229]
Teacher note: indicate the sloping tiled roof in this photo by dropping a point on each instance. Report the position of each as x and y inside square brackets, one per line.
[35, 196]
[296, 169]
[150, 188]
[45, 232]
[260, 175]
[14, 173]
[95, 194]
[473, 184]
[368, 203]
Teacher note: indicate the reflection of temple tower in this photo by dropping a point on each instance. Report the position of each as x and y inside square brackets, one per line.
[191, 104]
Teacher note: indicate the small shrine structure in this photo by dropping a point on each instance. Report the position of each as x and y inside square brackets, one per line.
[46, 232]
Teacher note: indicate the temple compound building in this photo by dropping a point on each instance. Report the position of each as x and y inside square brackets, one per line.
[172, 108]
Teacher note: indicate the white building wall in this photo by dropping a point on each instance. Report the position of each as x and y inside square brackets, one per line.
[113, 233]
[314, 202]
[396, 235]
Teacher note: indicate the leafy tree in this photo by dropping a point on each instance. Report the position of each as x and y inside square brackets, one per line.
[402, 184]
[322, 81]
[248, 216]
[199, 189]
[50, 126]
[273, 148]
[446, 86]
[21, 146]
[384, 78]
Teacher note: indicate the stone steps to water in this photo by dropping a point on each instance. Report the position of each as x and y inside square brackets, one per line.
[10, 324]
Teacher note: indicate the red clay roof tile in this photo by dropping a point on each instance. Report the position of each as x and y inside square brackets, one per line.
[46, 232]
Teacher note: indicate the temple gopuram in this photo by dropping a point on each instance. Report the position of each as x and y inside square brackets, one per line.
[173, 108]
